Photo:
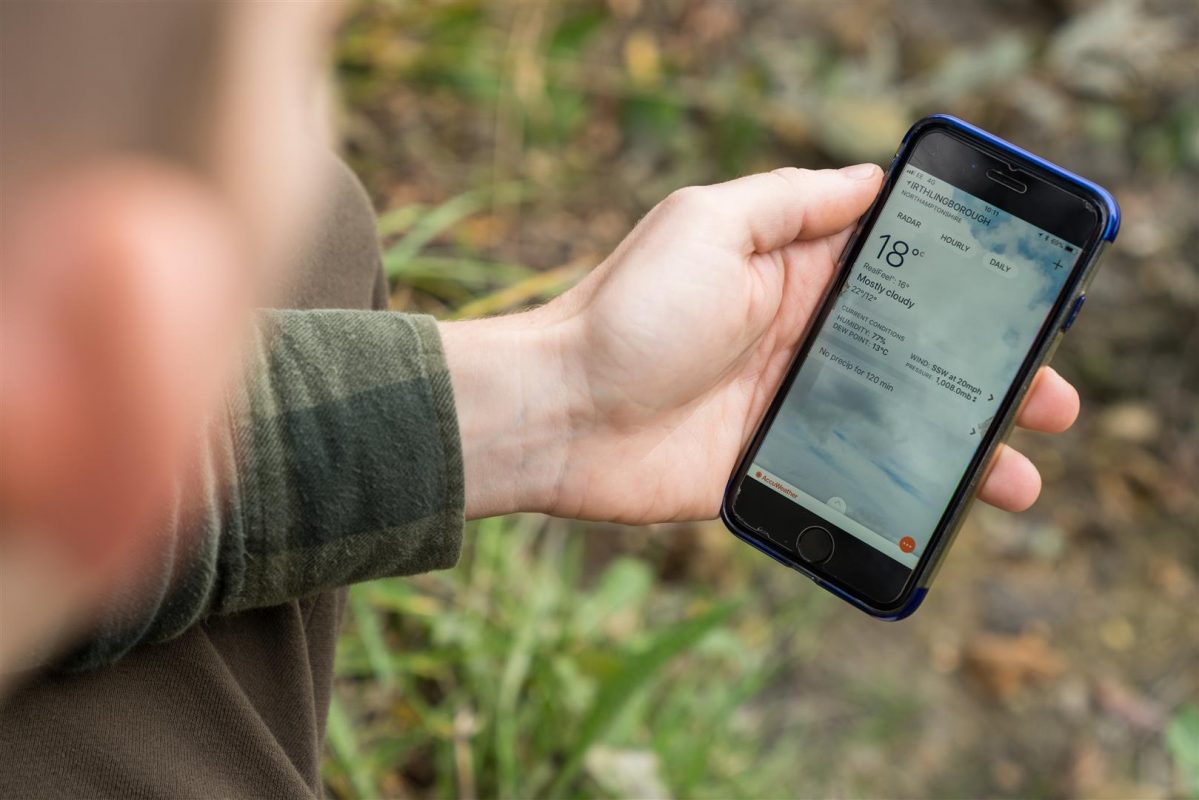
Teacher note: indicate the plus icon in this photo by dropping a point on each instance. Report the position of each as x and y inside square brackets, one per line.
[1058, 265]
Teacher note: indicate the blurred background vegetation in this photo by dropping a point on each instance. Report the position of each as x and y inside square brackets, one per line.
[510, 146]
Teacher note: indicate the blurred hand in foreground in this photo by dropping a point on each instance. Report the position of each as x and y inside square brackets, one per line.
[118, 330]
[630, 397]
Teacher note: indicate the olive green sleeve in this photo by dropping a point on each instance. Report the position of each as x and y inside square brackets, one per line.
[338, 460]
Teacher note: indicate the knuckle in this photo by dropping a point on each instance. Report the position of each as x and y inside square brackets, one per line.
[791, 174]
[689, 200]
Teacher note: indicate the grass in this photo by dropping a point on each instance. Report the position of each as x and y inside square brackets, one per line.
[520, 675]
[1182, 740]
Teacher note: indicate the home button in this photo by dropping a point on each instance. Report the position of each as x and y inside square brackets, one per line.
[815, 545]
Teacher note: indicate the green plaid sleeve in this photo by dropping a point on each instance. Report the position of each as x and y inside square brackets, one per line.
[339, 461]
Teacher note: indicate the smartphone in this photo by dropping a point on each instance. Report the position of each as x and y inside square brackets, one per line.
[955, 288]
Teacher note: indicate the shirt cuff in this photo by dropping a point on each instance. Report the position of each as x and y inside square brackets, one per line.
[350, 462]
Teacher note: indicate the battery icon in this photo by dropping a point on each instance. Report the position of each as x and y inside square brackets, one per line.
[1069, 249]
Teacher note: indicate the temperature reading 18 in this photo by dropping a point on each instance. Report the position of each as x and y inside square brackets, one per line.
[899, 249]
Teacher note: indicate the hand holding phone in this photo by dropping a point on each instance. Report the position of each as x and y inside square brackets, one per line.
[634, 394]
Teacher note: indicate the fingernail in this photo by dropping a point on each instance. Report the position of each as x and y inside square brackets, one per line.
[859, 172]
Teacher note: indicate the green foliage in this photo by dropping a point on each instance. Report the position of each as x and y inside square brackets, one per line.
[344, 744]
[419, 226]
[620, 688]
[1182, 740]
[514, 668]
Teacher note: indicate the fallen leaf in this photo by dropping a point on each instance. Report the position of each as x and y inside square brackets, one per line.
[1005, 665]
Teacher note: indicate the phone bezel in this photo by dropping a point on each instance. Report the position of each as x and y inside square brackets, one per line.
[988, 152]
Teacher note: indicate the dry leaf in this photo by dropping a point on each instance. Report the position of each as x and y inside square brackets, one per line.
[1005, 665]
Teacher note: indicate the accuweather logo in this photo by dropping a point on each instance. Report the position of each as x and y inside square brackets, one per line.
[778, 486]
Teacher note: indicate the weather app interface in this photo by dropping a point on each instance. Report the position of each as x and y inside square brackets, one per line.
[903, 381]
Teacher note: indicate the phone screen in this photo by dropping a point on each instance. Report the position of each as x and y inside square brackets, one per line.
[902, 382]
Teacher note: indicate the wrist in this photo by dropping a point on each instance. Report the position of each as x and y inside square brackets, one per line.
[515, 409]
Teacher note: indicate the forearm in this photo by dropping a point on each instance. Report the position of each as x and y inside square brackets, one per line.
[514, 415]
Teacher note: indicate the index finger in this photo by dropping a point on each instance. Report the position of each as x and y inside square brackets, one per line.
[1051, 405]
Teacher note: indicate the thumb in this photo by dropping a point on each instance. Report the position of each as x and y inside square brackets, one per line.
[763, 212]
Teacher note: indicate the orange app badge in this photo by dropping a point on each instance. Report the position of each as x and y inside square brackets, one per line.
[907, 544]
